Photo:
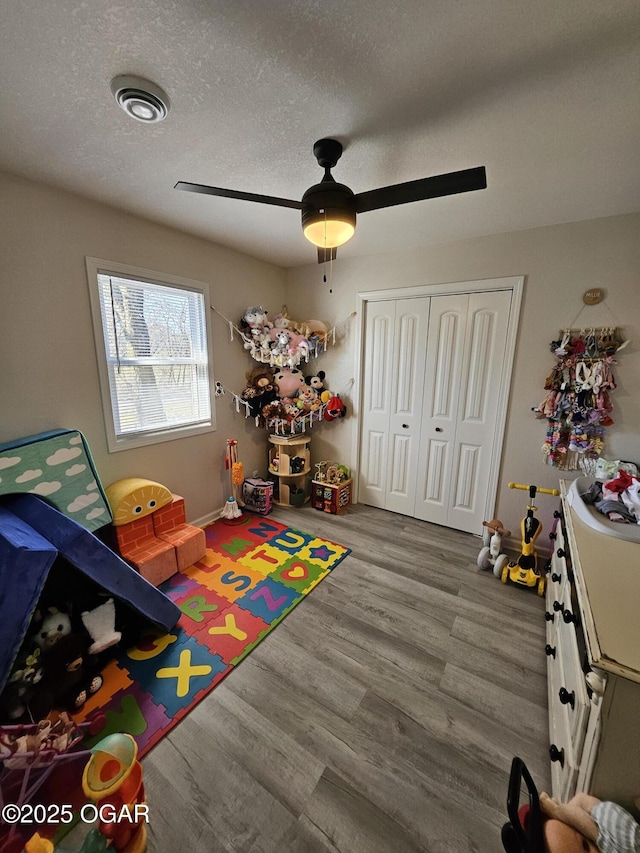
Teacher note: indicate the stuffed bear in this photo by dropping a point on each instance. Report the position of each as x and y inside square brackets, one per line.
[259, 391]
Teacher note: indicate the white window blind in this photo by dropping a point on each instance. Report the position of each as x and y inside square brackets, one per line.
[156, 357]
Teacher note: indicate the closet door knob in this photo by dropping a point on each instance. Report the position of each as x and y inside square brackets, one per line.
[556, 754]
[567, 698]
[568, 617]
[556, 578]
[550, 651]
[548, 616]
[558, 605]
[561, 553]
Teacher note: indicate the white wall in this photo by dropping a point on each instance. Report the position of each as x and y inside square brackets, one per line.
[560, 263]
[48, 369]
[48, 372]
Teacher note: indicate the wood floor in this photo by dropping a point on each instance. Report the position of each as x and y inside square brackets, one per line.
[380, 717]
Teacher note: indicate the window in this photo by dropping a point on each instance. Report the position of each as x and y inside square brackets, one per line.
[153, 347]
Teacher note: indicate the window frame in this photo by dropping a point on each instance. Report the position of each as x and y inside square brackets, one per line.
[115, 443]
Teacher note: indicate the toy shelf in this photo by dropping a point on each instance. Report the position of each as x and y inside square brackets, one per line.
[290, 465]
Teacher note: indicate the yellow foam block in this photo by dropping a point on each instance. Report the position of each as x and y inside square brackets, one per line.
[135, 497]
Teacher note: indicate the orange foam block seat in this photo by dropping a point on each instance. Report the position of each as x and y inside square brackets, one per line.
[153, 557]
[170, 525]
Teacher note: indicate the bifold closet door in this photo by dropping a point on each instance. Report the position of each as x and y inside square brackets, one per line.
[432, 369]
[464, 359]
[395, 349]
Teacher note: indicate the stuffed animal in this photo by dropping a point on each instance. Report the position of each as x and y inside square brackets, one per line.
[307, 399]
[255, 317]
[281, 342]
[100, 625]
[317, 382]
[335, 408]
[51, 626]
[259, 391]
[288, 381]
[26, 673]
[71, 675]
[296, 463]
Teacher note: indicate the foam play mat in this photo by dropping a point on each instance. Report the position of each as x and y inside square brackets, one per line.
[253, 574]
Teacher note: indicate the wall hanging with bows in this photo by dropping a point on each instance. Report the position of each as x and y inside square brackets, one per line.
[578, 406]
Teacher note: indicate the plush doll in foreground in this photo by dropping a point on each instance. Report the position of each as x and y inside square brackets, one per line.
[587, 823]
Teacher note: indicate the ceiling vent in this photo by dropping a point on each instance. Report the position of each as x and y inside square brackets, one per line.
[140, 99]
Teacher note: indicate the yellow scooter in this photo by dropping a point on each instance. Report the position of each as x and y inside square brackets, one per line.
[524, 571]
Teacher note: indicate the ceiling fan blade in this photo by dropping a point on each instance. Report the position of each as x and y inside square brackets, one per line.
[325, 254]
[262, 199]
[434, 187]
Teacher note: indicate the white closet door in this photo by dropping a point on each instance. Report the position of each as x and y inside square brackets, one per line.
[376, 412]
[465, 353]
[408, 360]
[429, 420]
[395, 344]
[443, 370]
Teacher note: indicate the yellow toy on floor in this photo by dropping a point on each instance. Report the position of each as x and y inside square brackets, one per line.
[524, 571]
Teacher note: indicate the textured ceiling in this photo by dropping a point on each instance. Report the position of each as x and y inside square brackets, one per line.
[544, 94]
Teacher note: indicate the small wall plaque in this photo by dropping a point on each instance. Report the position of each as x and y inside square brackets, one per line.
[593, 296]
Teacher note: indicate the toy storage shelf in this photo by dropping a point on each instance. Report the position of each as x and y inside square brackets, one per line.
[290, 465]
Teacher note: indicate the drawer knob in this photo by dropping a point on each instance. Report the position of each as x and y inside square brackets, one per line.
[550, 651]
[556, 754]
[561, 553]
[568, 617]
[558, 605]
[556, 578]
[556, 513]
[548, 616]
[567, 698]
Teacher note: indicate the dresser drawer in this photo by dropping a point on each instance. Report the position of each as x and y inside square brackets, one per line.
[564, 770]
[568, 699]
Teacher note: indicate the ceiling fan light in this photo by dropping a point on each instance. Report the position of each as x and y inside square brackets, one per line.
[140, 99]
[329, 232]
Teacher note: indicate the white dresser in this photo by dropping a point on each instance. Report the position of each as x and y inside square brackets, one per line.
[593, 662]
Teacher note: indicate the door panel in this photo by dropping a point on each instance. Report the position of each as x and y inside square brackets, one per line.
[443, 368]
[407, 360]
[379, 342]
[480, 375]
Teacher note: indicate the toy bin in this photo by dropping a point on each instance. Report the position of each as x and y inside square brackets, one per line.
[258, 495]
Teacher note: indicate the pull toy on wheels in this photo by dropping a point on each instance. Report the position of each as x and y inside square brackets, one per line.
[524, 570]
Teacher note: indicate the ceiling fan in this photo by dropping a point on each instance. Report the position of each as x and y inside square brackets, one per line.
[329, 209]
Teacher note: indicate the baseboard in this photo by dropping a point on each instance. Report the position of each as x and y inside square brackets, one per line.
[207, 519]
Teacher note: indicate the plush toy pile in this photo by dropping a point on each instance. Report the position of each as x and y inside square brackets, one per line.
[283, 342]
[58, 665]
[287, 401]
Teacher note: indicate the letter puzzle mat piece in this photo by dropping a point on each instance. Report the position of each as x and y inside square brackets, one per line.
[251, 576]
